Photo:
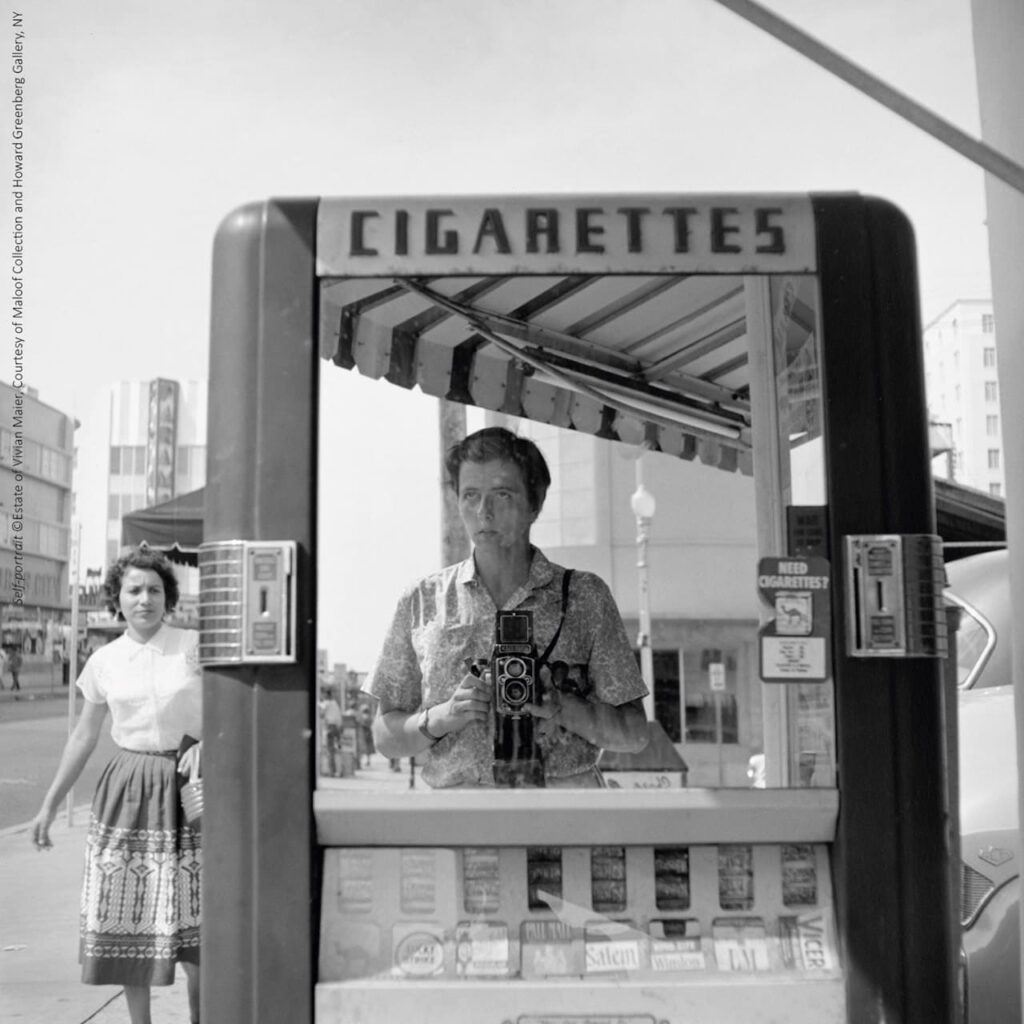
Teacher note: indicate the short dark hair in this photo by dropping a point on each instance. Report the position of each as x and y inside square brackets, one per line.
[499, 443]
[141, 557]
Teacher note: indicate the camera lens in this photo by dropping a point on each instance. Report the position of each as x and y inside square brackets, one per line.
[515, 667]
[515, 692]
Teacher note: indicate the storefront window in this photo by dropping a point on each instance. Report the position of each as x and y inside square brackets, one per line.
[711, 705]
[666, 693]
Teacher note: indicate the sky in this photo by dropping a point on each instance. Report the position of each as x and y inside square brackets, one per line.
[148, 122]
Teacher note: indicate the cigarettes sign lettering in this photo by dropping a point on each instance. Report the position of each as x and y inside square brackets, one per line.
[794, 644]
[661, 233]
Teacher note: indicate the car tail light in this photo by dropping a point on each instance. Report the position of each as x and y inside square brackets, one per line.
[975, 891]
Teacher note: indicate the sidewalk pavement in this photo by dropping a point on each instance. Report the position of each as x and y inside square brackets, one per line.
[39, 972]
[39, 900]
[40, 679]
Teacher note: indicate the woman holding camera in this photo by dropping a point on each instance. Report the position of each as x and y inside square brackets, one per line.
[432, 695]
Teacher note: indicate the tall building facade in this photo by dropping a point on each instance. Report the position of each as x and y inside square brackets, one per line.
[36, 464]
[157, 447]
[962, 381]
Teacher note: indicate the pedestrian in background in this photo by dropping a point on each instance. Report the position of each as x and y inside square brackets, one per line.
[140, 897]
[330, 713]
[14, 661]
[364, 737]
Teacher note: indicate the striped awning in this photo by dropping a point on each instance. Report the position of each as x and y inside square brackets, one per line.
[656, 359]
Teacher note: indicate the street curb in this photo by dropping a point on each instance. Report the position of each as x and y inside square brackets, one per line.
[13, 830]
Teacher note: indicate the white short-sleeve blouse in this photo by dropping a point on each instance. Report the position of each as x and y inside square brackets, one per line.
[154, 690]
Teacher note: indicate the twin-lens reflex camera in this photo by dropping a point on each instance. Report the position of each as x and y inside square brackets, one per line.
[515, 673]
[514, 664]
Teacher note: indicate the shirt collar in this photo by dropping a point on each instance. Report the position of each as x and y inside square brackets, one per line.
[466, 572]
[542, 572]
[158, 641]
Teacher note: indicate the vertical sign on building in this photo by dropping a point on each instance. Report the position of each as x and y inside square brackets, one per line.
[161, 435]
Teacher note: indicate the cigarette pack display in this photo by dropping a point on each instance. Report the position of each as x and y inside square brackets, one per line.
[673, 860]
[807, 941]
[675, 945]
[550, 949]
[482, 950]
[418, 882]
[605, 913]
[672, 878]
[613, 947]
[481, 880]
[355, 882]
[741, 944]
[418, 950]
[480, 862]
[608, 896]
[608, 879]
[799, 875]
[735, 877]
[543, 874]
[608, 866]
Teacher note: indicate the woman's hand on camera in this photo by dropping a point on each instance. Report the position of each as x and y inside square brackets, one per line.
[471, 702]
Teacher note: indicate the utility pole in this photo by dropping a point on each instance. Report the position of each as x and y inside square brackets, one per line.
[643, 504]
[75, 572]
[451, 430]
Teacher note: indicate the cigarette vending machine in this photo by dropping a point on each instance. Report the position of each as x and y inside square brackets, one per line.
[543, 932]
[769, 345]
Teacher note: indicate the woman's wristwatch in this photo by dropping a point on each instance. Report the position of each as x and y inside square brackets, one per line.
[423, 723]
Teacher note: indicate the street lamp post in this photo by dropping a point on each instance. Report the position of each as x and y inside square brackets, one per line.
[643, 505]
[76, 575]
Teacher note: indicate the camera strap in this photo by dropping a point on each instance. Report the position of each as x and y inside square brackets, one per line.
[566, 576]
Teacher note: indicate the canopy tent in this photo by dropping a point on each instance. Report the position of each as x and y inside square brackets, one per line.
[175, 527]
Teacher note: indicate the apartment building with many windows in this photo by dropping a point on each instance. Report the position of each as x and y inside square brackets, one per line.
[36, 464]
[962, 381]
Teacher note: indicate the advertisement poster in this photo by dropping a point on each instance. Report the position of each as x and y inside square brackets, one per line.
[795, 642]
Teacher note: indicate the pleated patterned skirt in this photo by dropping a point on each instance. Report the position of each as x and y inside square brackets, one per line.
[140, 897]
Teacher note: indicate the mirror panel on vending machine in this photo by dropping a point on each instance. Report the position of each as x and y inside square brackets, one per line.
[679, 414]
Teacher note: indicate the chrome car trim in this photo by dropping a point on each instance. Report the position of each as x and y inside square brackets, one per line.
[975, 891]
[990, 639]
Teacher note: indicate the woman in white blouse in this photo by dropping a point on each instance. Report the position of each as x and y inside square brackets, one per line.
[140, 897]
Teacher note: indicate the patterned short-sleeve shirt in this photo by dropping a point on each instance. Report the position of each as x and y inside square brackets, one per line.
[448, 617]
